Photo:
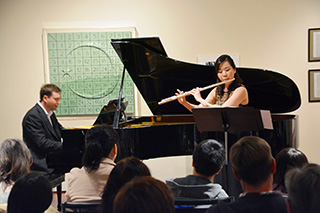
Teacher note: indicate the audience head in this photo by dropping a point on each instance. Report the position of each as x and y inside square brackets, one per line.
[303, 186]
[144, 195]
[100, 143]
[15, 160]
[31, 193]
[208, 157]
[122, 173]
[48, 89]
[287, 159]
[252, 160]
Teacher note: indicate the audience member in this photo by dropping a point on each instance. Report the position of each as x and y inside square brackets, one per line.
[32, 193]
[15, 161]
[144, 195]
[254, 166]
[87, 184]
[208, 160]
[123, 172]
[286, 159]
[41, 129]
[303, 185]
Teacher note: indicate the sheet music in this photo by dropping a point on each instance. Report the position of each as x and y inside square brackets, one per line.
[266, 119]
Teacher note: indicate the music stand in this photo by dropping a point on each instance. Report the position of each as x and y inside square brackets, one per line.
[108, 112]
[212, 119]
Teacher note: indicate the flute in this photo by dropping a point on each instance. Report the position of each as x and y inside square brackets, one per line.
[175, 97]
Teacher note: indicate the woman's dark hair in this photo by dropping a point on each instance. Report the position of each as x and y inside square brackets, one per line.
[99, 142]
[144, 195]
[236, 83]
[31, 193]
[15, 160]
[122, 173]
[287, 159]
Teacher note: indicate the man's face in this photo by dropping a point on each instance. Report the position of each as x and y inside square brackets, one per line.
[51, 103]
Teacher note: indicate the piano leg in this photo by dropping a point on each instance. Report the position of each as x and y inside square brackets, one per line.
[59, 191]
[56, 181]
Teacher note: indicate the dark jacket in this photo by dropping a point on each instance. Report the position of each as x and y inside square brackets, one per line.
[253, 203]
[41, 137]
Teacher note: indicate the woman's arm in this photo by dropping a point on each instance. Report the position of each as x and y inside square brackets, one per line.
[211, 98]
[239, 97]
[184, 102]
[208, 102]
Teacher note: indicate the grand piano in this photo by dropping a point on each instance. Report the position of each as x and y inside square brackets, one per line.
[171, 131]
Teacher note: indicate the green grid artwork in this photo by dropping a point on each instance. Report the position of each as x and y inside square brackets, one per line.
[88, 70]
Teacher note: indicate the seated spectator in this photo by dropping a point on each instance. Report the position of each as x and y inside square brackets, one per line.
[144, 195]
[32, 193]
[123, 172]
[208, 160]
[254, 166]
[303, 185]
[15, 161]
[87, 184]
[286, 159]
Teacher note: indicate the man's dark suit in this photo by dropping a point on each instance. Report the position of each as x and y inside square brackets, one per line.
[41, 137]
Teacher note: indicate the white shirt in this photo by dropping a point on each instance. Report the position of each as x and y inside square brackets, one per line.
[47, 113]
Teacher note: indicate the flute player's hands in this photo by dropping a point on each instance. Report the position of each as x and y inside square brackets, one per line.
[181, 100]
[196, 94]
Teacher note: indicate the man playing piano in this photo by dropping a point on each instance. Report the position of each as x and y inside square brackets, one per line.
[41, 129]
[232, 93]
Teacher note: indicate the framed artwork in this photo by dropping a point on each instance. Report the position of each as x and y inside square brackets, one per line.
[314, 85]
[83, 63]
[314, 45]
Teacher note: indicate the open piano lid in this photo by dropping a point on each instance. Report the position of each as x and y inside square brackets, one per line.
[158, 76]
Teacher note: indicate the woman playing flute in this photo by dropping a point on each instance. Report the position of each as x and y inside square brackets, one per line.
[230, 94]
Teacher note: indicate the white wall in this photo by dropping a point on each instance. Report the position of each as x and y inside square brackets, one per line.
[266, 34]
